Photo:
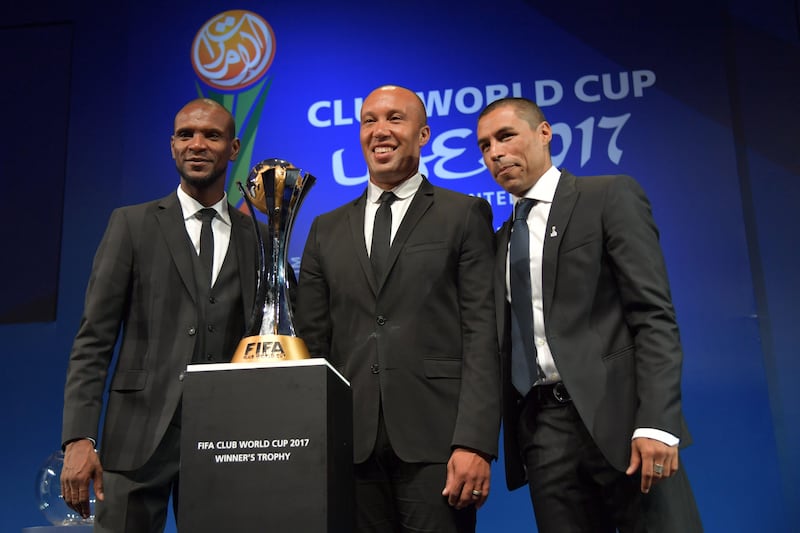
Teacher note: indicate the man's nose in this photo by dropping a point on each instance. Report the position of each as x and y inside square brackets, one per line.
[494, 152]
[198, 142]
[381, 129]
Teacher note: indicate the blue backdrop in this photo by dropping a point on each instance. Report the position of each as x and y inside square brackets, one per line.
[699, 105]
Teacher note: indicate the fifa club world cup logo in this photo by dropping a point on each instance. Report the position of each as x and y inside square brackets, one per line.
[231, 54]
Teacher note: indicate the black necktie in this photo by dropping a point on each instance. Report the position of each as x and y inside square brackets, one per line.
[382, 234]
[207, 241]
[524, 369]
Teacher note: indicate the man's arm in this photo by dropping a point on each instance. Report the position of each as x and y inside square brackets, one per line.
[106, 298]
[478, 420]
[634, 249]
[81, 466]
[312, 317]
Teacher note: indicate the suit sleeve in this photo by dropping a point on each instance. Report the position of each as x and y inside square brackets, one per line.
[478, 420]
[106, 299]
[632, 243]
[312, 318]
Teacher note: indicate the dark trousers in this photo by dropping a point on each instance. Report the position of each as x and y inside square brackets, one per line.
[397, 497]
[138, 501]
[574, 489]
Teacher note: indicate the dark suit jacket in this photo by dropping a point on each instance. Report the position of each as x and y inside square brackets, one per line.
[421, 341]
[608, 315]
[141, 282]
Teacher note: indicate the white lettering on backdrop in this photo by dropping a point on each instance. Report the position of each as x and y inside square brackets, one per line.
[456, 145]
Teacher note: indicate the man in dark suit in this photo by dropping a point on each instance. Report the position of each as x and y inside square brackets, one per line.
[591, 356]
[176, 277]
[411, 326]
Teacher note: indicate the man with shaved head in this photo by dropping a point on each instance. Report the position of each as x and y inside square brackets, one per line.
[175, 278]
[395, 292]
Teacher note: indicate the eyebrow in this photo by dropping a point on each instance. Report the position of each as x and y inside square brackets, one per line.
[501, 131]
[204, 131]
[505, 129]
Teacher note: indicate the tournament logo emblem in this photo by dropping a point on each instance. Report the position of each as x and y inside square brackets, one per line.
[231, 54]
[233, 50]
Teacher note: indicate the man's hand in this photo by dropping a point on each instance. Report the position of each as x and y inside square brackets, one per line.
[468, 473]
[652, 456]
[81, 465]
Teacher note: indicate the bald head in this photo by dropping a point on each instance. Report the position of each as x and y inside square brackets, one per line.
[394, 128]
[229, 125]
[416, 103]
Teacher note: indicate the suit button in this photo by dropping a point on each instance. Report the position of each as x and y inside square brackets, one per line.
[211, 328]
[181, 376]
[381, 320]
[209, 357]
[212, 300]
[375, 369]
[191, 331]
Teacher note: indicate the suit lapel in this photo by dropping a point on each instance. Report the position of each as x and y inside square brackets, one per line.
[242, 234]
[422, 201]
[503, 235]
[170, 220]
[355, 217]
[560, 212]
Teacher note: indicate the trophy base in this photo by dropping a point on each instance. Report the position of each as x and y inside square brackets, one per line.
[266, 348]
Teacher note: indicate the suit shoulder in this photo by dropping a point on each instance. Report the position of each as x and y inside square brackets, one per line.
[605, 180]
[442, 192]
[342, 210]
[458, 198]
[148, 205]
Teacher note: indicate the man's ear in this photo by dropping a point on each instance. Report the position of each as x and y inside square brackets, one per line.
[424, 135]
[235, 146]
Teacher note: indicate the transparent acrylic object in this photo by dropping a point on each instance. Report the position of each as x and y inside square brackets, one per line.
[48, 495]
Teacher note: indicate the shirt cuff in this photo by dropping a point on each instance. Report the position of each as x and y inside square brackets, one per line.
[656, 434]
[90, 439]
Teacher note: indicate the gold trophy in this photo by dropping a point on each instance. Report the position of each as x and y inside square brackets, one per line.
[276, 188]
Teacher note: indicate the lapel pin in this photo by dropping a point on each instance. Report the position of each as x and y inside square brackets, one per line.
[553, 232]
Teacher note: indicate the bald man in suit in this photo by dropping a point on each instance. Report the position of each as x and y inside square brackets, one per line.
[150, 285]
[408, 318]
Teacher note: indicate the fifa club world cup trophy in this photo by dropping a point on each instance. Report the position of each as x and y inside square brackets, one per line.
[276, 188]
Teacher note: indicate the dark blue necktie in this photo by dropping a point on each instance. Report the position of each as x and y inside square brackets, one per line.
[207, 241]
[524, 369]
[382, 235]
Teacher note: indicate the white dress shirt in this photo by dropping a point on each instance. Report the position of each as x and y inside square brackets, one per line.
[405, 193]
[543, 191]
[220, 226]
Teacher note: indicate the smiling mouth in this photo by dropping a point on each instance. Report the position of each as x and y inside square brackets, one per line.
[383, 149]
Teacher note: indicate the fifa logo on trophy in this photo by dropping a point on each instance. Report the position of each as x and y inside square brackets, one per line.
[276, 188]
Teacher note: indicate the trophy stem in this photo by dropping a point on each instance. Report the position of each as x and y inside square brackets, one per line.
[254, 325]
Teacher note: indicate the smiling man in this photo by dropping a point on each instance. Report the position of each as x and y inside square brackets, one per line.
[394, 292]
[175, 278]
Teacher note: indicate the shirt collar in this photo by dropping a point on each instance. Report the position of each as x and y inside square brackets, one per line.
[402, 191]
[544, 190]
[190, 206]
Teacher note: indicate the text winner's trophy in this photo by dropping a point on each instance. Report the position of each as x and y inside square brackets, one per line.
[276, 188]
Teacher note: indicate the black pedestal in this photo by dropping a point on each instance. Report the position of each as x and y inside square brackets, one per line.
[266, 447]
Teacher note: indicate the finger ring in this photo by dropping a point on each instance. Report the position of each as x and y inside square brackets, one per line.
[658, 469]
[476, 492]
